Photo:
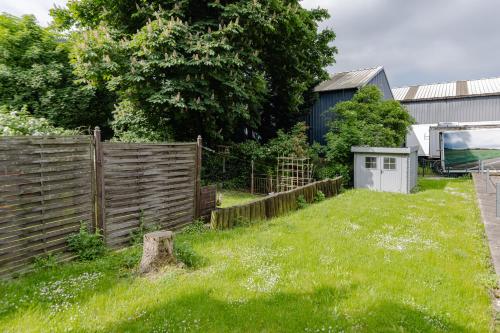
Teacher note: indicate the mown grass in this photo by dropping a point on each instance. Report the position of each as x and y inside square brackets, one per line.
[233, 198]
[361, 262]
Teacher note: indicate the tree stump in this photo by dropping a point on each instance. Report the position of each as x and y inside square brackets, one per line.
[158, 250]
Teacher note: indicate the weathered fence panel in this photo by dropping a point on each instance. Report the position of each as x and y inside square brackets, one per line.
[45, 193]
[208, 200]
[149, 183]
[273, 205]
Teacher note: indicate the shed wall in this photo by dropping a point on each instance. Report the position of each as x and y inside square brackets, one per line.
[412, 171]
[470, 109]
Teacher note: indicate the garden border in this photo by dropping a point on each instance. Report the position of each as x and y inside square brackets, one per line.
[273, 205]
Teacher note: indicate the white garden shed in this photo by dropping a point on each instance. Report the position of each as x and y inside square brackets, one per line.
[385, 169]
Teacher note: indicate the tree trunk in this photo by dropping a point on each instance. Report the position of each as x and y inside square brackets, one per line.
[158, 251]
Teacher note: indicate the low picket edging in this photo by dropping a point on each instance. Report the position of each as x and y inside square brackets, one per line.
[273, 205]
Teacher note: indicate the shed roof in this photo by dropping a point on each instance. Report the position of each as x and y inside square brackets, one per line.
[349, 80]
[383, 150]
[455, 89]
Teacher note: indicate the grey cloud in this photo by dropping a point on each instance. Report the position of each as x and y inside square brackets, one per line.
[418, 42]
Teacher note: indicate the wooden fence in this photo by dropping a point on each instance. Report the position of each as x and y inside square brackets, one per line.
[208, 201]
[45, 192]
[273, 205]
[147, 183]
[50, 185]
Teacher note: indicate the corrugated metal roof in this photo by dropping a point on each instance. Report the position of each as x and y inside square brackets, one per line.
[456, 89]
[349, 80]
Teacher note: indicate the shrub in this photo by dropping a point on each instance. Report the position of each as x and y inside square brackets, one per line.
[301, 202]
[197, 227]
[185, 253]
[47, 261]
[86, 245]
[242, 221]
[20, 122]
[319, 196]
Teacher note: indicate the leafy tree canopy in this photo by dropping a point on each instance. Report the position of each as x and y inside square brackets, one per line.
[366, 120]
[188, 67]
[35, 74]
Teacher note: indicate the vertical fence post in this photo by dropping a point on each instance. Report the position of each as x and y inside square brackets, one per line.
[99, 182]
[251, 179]
[498, 199]
[487, 179]
[197, 186]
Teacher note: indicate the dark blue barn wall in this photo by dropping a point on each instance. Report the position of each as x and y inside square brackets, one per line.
[380, 80]
[320, 116]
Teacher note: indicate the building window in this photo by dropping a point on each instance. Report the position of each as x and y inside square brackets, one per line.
[370, 162]
[389, 163]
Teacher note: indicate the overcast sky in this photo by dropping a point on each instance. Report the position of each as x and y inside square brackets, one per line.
[417, 42]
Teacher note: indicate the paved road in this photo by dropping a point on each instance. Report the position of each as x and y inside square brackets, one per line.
[487, 203]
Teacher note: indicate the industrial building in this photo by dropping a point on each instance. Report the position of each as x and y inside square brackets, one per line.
[473, 102]
[339, 88]
[442, 106]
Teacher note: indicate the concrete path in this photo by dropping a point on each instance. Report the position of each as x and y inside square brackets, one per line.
[487, 203]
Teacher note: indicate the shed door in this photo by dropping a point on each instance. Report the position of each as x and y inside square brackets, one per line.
[390, 173]
[370, 173]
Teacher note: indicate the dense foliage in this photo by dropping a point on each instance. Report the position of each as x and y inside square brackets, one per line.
[237, 162]
[36, 75]
[368, 120]
[20, 122]
[222, 69]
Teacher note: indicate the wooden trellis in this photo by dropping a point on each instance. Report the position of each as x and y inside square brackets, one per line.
[293, 172]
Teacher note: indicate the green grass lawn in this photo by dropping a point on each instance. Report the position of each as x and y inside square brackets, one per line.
[233, 198]
[360, 262]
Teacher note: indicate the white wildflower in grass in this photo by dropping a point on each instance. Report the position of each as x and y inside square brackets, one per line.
[433, 319]
[353, 226]
[264, 279]
[457, 192]
[61, 294]
[186, 323]
[414, 218]
[323, 328]
[392, 242]
[264, 272]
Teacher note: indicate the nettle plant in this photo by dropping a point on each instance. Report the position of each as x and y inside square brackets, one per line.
[87, 245]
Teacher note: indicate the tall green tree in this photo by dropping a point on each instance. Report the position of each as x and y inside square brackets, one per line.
[36, 75]
[188, 67]
[366, 120]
